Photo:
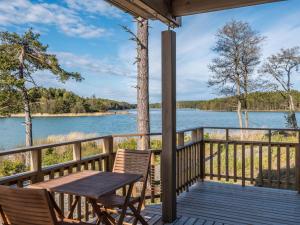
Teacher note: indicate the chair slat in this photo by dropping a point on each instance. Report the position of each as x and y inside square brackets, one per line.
[26, 206]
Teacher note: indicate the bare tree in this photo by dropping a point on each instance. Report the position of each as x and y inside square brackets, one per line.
[239, 51]
[281, 68]
[142, 60]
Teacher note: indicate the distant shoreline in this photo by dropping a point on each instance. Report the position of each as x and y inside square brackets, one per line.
[214, 110]
[20, 115]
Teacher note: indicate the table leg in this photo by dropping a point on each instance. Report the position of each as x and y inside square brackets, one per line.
[99, 213]
[125, 206]
[55, 206]
[73, 206]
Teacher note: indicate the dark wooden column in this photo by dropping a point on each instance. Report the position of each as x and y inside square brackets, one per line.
[168, 160]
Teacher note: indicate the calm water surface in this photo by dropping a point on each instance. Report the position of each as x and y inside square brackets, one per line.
[12, 129]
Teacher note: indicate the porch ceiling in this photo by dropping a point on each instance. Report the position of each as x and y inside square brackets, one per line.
[168, 11]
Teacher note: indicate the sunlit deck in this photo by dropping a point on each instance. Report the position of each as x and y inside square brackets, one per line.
[216, 203]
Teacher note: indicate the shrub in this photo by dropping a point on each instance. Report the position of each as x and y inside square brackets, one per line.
[9, 167]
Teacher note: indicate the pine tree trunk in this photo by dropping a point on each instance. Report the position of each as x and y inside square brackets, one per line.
[143, 117]
[28, 119]
[27, 111]
[292, 114]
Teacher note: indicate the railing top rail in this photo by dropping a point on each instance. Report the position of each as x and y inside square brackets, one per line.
[251, 128]
[135, 135]
[246, 142]
[38, 147]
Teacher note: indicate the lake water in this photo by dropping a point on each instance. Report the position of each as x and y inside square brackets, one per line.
[12, 129]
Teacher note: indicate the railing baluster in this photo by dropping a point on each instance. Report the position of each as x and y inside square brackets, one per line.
[287, 166]
[234, 162]
[211, 162]
[260, 165]
[61, 195]
[297, 164]
[278, 165]
[201, 154]
[219, 161]
[226, 161]
[251, 164]
[177, 171]
[243, 165]
[269, 164]
[189, 165]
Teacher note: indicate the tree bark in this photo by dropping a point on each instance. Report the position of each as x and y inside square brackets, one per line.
[239, 110]
[143, 117]
[292, 120]
[239, 107]
[27, 110]
[26, 102]
[28, 119]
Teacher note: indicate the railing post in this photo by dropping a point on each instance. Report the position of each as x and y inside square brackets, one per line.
[108, 147]
[194, 135]
[77, 151]
[200, 132]
[297, 161]
[36, 164]
[180, 139]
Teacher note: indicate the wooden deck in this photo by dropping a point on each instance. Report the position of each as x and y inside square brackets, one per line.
[212, 203]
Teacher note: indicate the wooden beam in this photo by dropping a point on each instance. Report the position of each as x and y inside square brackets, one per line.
[189, 7]
[168, 165]
[149, 9]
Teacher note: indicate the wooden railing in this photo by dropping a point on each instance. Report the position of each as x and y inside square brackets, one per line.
[268, 163]
[220, 156]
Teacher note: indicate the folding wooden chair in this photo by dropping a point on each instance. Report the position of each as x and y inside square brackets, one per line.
[135, 162]
[25, 206]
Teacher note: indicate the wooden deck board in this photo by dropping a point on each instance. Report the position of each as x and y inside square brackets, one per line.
[223, 204]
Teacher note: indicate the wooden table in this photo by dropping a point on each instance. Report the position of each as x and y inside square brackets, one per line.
[92, 185]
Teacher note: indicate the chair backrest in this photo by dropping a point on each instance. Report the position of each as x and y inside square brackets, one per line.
[26, 206]
[132, 161]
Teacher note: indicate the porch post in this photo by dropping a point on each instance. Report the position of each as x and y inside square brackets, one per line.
[168, 157]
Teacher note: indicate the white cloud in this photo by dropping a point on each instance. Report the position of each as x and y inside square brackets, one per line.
[95, 66]
[94, 6]
[283, 34]
[19, 12]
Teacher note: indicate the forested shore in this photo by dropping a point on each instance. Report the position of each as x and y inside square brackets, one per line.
[257, 101]
[58, 101]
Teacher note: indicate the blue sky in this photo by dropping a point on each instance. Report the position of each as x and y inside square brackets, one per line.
[87, 37]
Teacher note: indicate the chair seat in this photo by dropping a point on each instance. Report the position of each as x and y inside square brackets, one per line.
[71, 222]
[115, 201]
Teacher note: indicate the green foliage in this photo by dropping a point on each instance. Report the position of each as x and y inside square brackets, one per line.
[51, 157]
[20, 57]
[55, 101]
[257, 101]
[10, 167]
[131, 143]
[26, 52]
